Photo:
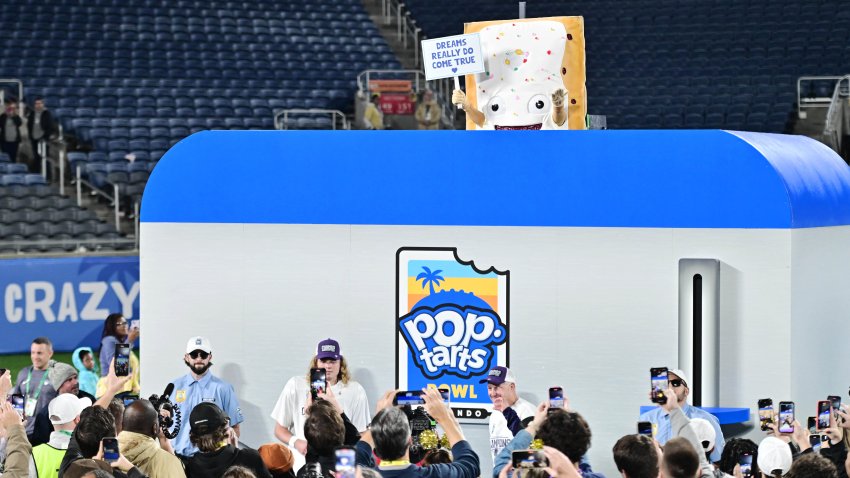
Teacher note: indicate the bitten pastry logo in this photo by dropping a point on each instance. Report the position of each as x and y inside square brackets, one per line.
[452, 324]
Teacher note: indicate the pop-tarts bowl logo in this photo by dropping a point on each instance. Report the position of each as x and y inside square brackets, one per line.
[456, 335]
[452, 325]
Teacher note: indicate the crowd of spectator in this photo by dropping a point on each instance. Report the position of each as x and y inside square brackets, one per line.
[53, 426]
[17, 122]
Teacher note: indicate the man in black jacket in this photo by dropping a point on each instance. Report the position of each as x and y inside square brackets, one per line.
[210, 431]
[40, 125]
[326, 429]
[10, 135]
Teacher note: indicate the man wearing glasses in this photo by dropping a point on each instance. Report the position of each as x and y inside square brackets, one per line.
[201, 386]
[660, 419]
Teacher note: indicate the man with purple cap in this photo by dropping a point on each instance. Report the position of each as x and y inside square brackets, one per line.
[289, 412]
[201, 386]
[510, 413]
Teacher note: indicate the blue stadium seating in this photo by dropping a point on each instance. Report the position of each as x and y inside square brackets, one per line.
[737, 58]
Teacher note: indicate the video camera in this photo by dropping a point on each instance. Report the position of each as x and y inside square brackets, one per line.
[162, 402]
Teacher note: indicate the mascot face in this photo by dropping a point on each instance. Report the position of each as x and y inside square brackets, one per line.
[522, 69]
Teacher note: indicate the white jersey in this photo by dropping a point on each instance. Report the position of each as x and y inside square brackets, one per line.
[500, 434]
[291, 406]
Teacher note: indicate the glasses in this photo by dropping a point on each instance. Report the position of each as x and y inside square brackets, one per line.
[119, 324]
[676, 383]
[195, 353]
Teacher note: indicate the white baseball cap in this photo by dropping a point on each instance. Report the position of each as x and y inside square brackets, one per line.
[681, 374]
[66, 407]
[705, 432]
[774, 454]
[198, 343]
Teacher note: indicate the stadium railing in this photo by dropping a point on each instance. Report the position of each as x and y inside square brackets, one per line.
[811, 97]
[282, 119]
[837, 119]
[442, 88]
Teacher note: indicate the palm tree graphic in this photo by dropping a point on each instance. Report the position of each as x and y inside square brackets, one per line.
[430, 278]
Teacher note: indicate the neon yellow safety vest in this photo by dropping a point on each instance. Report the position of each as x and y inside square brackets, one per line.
[47, 460]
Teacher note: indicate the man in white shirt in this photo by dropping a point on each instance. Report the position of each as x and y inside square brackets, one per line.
[289, 411]
[509, 411]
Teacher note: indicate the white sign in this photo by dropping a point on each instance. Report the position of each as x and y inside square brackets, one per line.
[452, 56]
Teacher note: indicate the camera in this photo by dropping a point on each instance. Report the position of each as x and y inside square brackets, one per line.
[420, 422]
[161, 402]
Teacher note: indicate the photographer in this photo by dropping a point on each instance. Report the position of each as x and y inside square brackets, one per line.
[326, 429]
[138, 441]
[85, 452]
[563, 430]
[390, 438]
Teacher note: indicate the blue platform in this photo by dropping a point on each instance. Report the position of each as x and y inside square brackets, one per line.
[725, 416]
[653, 179]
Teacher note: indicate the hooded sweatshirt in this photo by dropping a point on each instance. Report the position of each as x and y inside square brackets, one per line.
[88, 378]
[144, 452]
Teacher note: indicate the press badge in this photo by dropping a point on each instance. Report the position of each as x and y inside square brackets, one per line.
[29, 408]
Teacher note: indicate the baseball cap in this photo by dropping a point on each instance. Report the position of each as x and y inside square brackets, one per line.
[66, 407]
[328, 349]
[705, 432]
[499, 375]
[681, 374]
[774, 454]
[206, 417]
[276, 457]
[198, 343]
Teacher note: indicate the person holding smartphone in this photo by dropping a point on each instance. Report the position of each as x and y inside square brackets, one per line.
[115, 331]
[201, 386]
[289, 411]
[678, 383]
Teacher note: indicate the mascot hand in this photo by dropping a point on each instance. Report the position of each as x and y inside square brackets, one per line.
[458, 97]
[558, 98]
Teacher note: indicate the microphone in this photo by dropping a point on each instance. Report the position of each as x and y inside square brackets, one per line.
[169, 389]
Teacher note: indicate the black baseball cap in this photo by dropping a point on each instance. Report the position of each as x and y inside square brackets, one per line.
[206, 417]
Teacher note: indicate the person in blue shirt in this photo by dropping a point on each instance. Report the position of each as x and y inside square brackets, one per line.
[201, 386]
[660, 418]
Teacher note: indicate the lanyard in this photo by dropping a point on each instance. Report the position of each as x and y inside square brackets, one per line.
[38, 391]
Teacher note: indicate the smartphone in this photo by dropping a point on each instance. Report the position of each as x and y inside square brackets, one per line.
[129, 399]
[815, 442]
[746, 463]
[110, 449]
[529, 459]
[134, 324]
[824, 409]
[409, 397]
[786, 417]
[658, 381]
[318, 382]
[122, 360]
[645, 428]
[556, 398]
[17, 402]
[836, 405]
[765, 413]
[812, 425]
[345, 463]
[446, 395]
[2, 371]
